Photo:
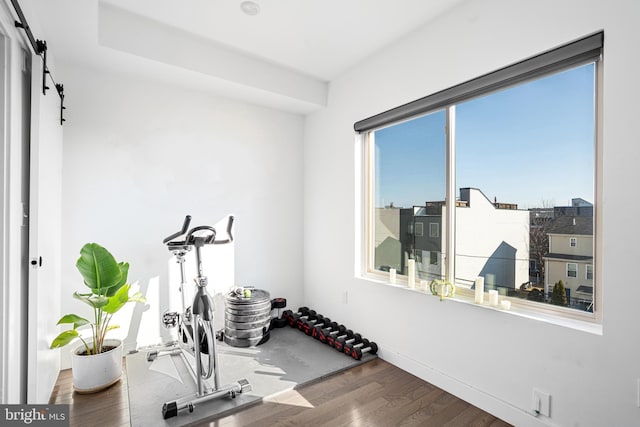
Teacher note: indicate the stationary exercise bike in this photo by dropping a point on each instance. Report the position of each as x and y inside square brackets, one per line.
[196, 334]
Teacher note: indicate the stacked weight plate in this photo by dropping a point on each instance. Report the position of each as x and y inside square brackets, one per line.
[247, 320]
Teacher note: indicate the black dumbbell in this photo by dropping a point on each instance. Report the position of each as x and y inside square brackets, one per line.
[370, 347]
[310, 325]
[321, 333]
[310, 315]
[304, 320]
[292, 318]
[348, 347]
[331, 339]
[342, 342]
[278, 321]
[315, 331]
[287, 314]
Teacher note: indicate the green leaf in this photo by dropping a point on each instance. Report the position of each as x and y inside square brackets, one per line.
[124, 271]
[73, 318]
[64, 338]
[83, 297]
[117, 301]
[95, 301]
[122, 297]
[99, 268]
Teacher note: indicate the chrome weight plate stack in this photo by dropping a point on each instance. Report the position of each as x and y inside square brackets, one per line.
[247, 317]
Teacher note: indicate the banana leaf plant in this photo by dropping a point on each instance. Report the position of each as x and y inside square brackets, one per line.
[109, 292]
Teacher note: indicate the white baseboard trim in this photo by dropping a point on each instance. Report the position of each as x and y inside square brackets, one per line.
[491, 404]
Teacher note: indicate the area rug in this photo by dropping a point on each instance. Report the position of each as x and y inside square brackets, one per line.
[288, 360]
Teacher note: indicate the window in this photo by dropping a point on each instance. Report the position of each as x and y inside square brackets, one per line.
[419, 229]
[533, 265]
[434, 229]
[408, 155]
[572, 269]
[486, 161]
[589, 273]
[433, 260]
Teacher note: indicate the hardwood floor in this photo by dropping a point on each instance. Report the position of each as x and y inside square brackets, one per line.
[108, 408]
[373, 394]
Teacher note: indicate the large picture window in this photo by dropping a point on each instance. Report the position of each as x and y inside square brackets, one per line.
[515, 160]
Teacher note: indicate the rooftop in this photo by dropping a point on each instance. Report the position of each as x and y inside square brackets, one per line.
[569, 257]
[572, 225]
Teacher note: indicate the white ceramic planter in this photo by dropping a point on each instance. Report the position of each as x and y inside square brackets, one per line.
[99, 371]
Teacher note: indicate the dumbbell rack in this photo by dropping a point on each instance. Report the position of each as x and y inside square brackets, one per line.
[329, 332]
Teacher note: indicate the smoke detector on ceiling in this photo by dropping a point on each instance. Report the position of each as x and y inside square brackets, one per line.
[251, 8]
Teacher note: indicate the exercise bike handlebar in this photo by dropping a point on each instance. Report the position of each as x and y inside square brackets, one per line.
[185, 227]
[229, 235]
[207, 239]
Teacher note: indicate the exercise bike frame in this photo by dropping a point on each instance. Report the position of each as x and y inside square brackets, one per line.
[195, 323]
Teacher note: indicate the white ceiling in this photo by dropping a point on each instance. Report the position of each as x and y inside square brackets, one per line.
[282, 57]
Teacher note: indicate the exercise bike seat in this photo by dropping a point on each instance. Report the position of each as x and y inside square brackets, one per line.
[193, 240]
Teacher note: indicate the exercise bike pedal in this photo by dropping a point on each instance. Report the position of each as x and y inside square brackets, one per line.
[170, 319]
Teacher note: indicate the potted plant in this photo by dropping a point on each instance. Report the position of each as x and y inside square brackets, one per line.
[97, 363]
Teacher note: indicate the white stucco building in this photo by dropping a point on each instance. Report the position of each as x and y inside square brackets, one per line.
[492, 240]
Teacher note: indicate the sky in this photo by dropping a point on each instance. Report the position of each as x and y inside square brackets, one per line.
[531, 144]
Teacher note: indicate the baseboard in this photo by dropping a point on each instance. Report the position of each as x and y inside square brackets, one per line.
[486, 402]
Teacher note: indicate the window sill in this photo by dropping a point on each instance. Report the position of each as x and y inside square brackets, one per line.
[520, 310]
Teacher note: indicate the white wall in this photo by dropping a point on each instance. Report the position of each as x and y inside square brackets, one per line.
[491, 358]
[139, 155]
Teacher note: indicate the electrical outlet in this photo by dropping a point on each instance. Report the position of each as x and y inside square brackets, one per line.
[541, 403]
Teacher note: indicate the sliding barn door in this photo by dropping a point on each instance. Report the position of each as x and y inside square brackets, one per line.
[44, 238]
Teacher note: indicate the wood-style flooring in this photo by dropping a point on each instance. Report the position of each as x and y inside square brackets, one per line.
[373, 394]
